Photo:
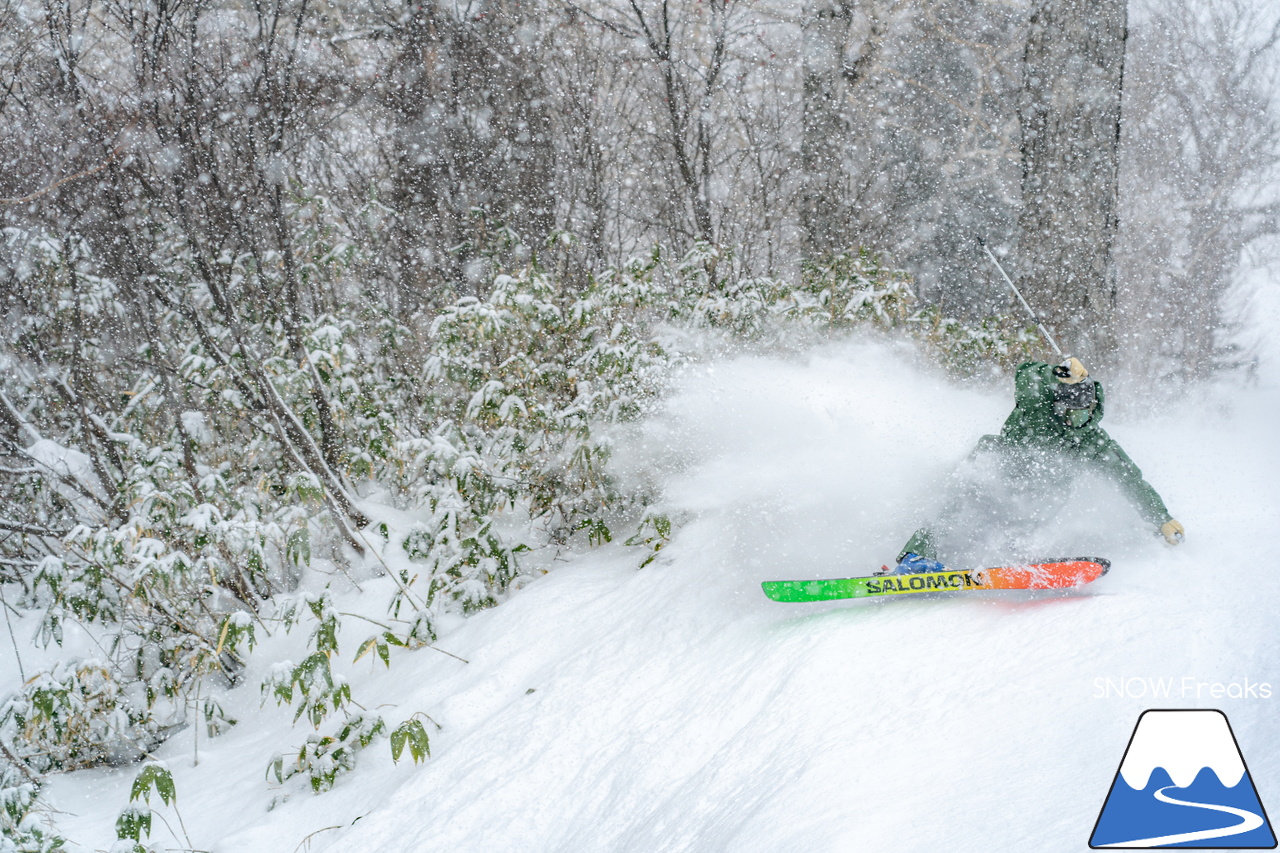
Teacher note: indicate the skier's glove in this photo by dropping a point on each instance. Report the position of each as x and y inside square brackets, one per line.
[1172, 531]
[1071, 371]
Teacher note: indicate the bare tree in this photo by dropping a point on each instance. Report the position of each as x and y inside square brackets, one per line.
[188, 132]
[695, 119]
[911, 136]
[686, 98]
[1201, 154]
[472, 146]
[844, 199]
[827, 128]
[1070, 116]
[582, 79]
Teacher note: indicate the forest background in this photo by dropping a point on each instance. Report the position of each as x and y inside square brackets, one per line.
[272, 268]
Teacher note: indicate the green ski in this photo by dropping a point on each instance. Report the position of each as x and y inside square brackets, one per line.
[1046, 574]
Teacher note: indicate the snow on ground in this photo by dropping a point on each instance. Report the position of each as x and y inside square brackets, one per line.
[675, 708]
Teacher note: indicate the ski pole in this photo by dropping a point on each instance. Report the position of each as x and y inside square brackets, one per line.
[1039, 323]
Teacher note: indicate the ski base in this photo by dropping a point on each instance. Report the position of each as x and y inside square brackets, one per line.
[1060, 573]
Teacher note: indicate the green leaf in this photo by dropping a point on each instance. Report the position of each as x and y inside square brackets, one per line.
[157, 776]
[133, 823]
[419, 745]
[412, 734]
[326, 635]
[398, 739]
[365, 647]
[276, 768]
[597, 532]
[165, 787]
[298, 547]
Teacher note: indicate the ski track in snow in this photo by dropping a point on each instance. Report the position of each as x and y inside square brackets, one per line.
[1248, 822]
[675, 708]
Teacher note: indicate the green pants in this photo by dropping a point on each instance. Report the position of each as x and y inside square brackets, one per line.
[999, 485]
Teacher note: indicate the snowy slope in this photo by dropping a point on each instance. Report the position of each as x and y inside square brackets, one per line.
[675, 708]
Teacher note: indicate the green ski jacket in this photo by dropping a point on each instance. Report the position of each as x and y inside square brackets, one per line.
[1032, 426]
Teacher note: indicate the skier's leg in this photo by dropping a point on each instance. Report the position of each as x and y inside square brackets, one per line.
[921, 543]
[1040, 485]
[974, 493]
[964, 490]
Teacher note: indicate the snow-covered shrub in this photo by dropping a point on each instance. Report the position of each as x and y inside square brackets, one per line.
[312, 684]
[22, 828]
[156, 492]
[134, 821]
[996, 342]
[846, 291]
[323, 758]
[76, 715]
[652, 534]
[172, 487]
[854, 289]
[523, 379]
[851, 289]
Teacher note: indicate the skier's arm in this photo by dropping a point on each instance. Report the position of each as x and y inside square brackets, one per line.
[1112, 459]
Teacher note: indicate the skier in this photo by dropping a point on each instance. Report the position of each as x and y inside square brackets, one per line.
[1051, 436]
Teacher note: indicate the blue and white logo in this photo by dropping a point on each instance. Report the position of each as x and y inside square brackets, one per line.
[1183, 783]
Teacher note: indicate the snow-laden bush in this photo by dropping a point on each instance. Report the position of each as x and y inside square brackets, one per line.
[174, 479]
[79, 717]
[23, 829]
[323, 758]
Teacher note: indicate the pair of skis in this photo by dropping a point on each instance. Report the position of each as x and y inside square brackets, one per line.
[1058, 573]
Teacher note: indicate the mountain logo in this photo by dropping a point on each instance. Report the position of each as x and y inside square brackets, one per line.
[1183, 783]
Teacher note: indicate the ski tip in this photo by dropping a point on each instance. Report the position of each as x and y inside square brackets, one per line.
[1100, 561]
[1103, 562]
[1052, 573]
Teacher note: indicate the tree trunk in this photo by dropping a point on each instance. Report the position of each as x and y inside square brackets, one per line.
[826, 126]
[1070, 117]
[474, 133]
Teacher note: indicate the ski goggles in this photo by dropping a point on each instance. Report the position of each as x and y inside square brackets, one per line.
[1074, 404]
